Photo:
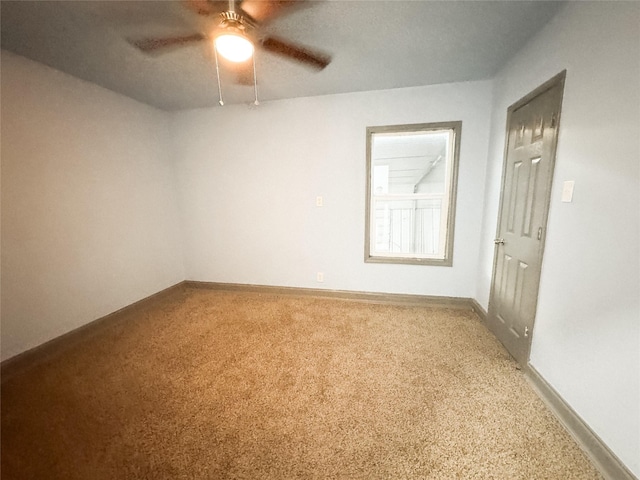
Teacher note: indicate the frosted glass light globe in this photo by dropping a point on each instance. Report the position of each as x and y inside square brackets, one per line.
[234, 48]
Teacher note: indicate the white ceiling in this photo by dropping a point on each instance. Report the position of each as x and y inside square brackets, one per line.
[374, 45]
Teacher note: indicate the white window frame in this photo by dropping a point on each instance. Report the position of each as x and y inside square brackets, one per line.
[444, 257]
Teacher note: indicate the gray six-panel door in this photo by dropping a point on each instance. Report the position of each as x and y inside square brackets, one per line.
[532, 133]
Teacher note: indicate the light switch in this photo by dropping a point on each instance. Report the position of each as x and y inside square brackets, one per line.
[319, 201]
[567, 191]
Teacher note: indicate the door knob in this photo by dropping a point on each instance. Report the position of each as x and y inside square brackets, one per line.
[498, 241]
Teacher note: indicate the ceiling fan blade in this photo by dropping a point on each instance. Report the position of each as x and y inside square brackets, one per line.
[296, 52]
[149, 45]
[263, 11]
[207, 7]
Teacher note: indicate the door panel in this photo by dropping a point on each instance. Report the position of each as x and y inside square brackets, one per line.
[528, 170]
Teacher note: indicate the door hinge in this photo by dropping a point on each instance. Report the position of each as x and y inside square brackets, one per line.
[540, 233]
[526, 331]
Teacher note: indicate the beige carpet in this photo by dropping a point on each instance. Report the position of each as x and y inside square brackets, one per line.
[224, 385]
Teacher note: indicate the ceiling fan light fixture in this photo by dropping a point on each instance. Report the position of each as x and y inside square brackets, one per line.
[234, 47]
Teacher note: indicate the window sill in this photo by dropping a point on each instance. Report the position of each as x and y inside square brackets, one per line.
[433, 262]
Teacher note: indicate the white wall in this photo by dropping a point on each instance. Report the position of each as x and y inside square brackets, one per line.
[89, 216]
[249, 178]
[586, 340]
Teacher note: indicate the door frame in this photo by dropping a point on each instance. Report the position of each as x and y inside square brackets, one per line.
[558, 79]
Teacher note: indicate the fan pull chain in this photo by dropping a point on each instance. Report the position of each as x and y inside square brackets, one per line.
[255, 79]
[221, 102]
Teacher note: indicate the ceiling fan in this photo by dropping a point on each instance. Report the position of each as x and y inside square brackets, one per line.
[238, 32]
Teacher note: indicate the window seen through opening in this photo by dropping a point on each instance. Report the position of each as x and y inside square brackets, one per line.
[411, 180]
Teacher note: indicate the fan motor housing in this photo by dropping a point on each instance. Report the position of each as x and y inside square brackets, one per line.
[231, 19]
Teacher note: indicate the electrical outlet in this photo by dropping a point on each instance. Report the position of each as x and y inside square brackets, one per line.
[320, 277]
[319, 201]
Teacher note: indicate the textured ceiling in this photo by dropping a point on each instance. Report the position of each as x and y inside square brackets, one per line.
[374, 45]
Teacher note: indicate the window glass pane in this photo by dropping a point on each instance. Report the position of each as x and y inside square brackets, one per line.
[411, 192]
[407, 227]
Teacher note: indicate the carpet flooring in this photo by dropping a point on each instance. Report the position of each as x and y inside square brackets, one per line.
[226, 385]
